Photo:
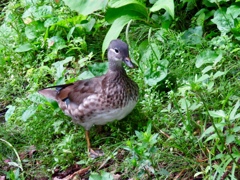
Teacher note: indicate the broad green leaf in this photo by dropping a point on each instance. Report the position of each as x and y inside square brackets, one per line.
[33, 30]
[9, 112]
[206, 57]
[86, 7]
[38, 12]
[154, 69]
[207, 131]
[234, 111]
[29, 2]
[218, 1]
[168, 5]
[191, 4]
[43, 12]
[153, 139]
[69, 35]
[59, 66]
[30, 32]
[218, 74]
[236, 129]
[195, 106]
[210, 86]
[117, 3]
[236, 29]
[57, 43]
[154, 48]
[106, 176]
[60, 80]
[234, 11]
[36, 98]
[131, 8]
[159, 36]
[224, 21]
[184, 103]
[29, 12]
[152, 1]
[146, 52]
[85, 75]
[235, 49]
[152, 77]
[29, 112]
[139, 135]
[114, 31]
[201, 17]
[206, 69]
[2, 60]
[230, 139]
[98, 69]
[149, 129]
[95, 176]
[84, 61]
[203, 78]
[217, 114]
[89, 25]
[166, 20]
[219, 156]
[237, 116]
[211, 137]
[211, 130]
[218, 59]
[71, 20]
[193, 35]
[24, 47]
[50, 21]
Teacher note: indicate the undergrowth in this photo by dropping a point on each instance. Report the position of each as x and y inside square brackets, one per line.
[186, 123]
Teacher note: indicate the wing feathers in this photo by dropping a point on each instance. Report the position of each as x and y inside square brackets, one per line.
[60, 91]
[74, 92]
[52, 94]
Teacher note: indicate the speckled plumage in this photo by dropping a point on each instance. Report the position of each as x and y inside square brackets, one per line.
[102, 99]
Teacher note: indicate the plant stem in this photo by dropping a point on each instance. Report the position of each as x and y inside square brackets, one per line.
[15, 151]
[216, 130]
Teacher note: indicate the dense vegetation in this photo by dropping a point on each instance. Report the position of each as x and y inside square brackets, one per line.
[187, 122]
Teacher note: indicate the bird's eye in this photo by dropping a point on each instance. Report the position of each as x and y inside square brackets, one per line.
[116, 50]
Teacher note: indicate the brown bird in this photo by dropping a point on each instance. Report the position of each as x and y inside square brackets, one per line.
[102, 99]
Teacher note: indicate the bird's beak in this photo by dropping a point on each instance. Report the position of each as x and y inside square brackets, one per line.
[128, 62]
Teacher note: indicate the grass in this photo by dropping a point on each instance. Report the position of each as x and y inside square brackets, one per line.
[170, 146]
[185, 125]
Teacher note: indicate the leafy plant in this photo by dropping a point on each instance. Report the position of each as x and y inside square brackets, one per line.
[13, 173]
[132, 10]
[142, 152]
[104, 175]
[188, 58]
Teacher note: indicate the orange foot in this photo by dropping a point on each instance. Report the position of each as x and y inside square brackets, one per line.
[95, 153]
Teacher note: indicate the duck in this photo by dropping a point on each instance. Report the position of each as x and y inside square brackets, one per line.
[101, 99]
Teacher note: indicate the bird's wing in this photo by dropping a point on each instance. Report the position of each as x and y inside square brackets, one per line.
[74, 92]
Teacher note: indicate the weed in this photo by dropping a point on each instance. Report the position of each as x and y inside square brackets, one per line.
[186, 123]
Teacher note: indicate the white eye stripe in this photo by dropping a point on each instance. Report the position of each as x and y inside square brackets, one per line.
[114, 50]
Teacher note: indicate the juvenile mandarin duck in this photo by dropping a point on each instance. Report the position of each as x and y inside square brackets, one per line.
[101, 99]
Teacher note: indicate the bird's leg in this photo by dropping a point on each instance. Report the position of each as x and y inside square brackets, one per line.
[92, 153]
[99, 129]
[87, 139]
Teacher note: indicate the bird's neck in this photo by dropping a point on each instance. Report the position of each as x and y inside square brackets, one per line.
[116, 66]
